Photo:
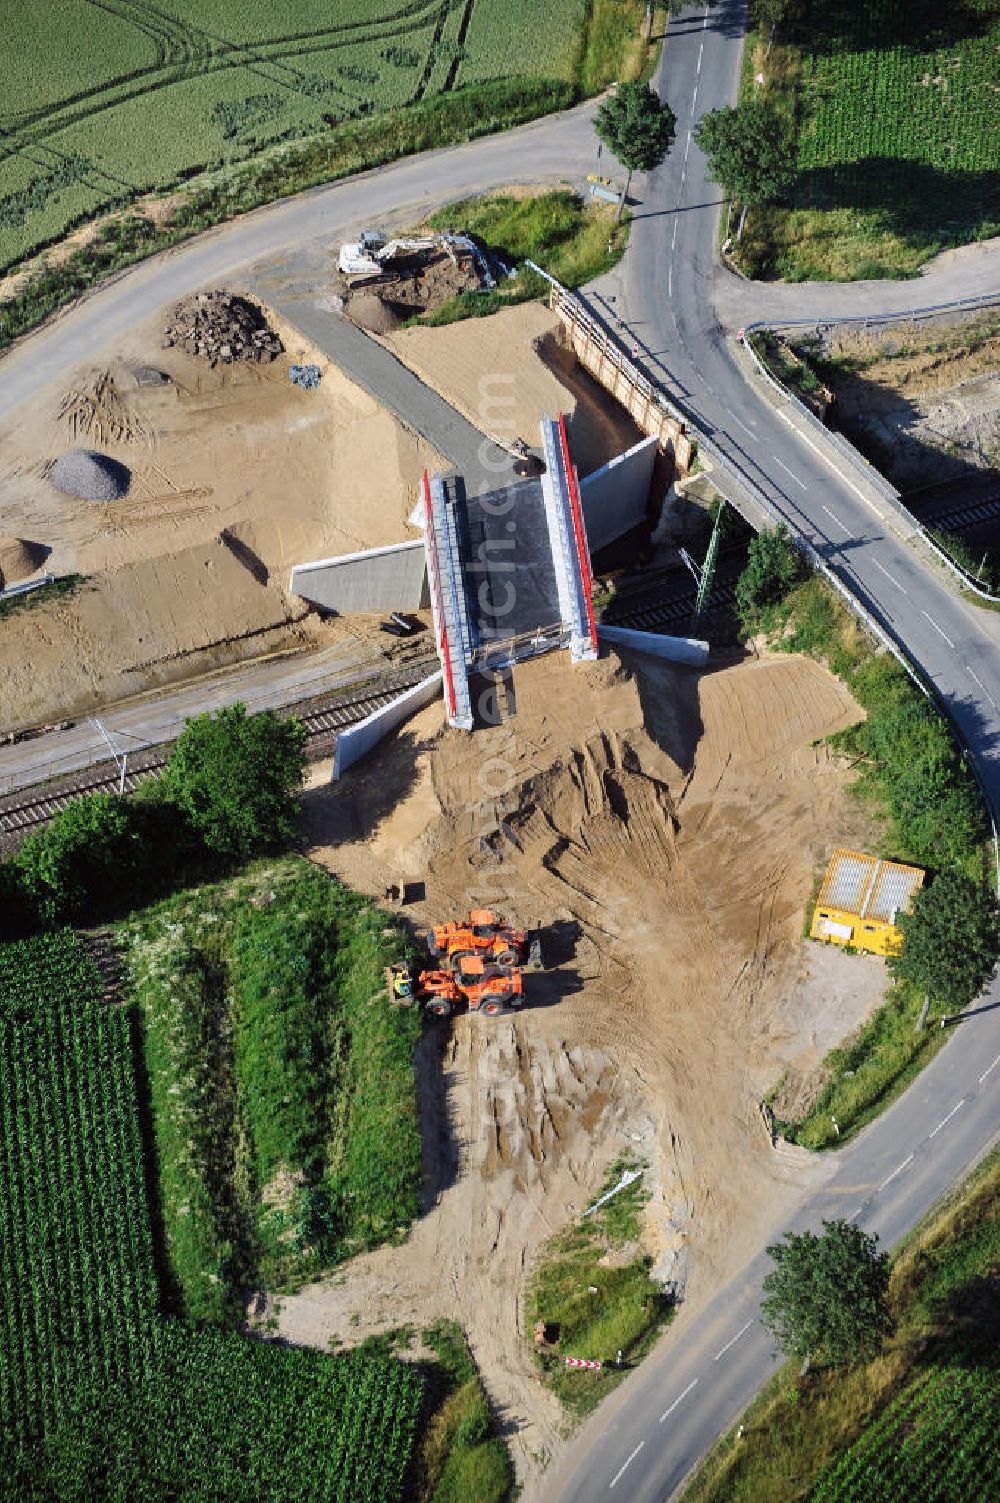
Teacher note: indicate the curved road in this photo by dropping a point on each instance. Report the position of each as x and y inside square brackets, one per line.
[676, 300]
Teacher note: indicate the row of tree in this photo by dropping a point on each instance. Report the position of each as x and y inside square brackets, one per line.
[749, 147]
[228, 792]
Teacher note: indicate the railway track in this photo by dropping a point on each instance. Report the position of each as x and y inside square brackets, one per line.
[22, 812]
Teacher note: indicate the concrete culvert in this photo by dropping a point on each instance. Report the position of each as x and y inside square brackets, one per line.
[94, 476]
[19, 559]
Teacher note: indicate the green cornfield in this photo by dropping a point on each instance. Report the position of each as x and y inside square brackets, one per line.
[902, 98]
[101, 102]
[936, 1442]
[102, 1395]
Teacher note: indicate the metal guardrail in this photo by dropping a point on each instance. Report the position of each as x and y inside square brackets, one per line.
[968, 580]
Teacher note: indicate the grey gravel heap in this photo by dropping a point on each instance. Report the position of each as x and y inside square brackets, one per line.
[94, 476]
[220, 327]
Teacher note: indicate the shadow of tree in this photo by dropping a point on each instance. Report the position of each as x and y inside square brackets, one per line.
[927, 205]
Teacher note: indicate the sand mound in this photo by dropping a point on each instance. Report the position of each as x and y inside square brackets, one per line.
[93, 476]
[19, 559]
[371, 312]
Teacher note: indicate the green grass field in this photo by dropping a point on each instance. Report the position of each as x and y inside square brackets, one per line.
[102, 1394]
[897, 111]
[281, 1081]
[102, 102]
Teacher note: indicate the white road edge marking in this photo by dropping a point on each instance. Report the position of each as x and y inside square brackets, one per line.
[621, 1472]
[988, 1070]
[898, 1170]
[845, 530]
[945, 1120]
[939, 631]
[680, 1396]
[975, 676]
[890, 577]
[816, 450]
[790, 472]
[735, 1339]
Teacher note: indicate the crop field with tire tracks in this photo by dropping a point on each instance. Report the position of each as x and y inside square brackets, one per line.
[104, 99]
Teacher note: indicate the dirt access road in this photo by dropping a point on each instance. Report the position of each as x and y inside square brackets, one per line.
[662, 828]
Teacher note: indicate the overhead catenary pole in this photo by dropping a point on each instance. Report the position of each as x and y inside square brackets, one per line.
[708, 569]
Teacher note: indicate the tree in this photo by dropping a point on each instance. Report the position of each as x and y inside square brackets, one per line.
[949, 940]
[772, 567]
[826, 1297]
[636, 127]
[235, 778]
[768, 15]
[750, 152]
[82, 863]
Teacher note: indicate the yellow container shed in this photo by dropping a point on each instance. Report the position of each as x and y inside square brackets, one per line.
[859, 900]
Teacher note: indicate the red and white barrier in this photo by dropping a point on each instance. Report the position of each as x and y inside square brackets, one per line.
[582, 1362]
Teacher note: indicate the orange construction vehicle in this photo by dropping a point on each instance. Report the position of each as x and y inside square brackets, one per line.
[486, 987]
[483, 934]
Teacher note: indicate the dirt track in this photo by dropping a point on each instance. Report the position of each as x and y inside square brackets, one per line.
[663, 831]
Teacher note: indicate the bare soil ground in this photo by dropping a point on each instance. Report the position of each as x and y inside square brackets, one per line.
[927, 398]
[504, 372]
[662, 828]
[236, 475]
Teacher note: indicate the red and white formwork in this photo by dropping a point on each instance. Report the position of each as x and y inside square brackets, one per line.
[568, 541]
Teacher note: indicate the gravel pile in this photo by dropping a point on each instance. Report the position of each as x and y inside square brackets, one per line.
[95, 477]
[219, 327]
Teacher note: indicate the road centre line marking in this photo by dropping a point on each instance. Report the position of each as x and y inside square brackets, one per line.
[670, 281]
[975, 676]
[735, 1339]
[890, 577]
[741, 424]
[855, 1213]
[817, 450]
[898, 1170]
[680, 1396]
[845, 530]
[694, 98]
[789, 472]
[945, 1120]
[673, 238]
[939, 631]
[700, 51]
[687, 147]
[982, 1077]
[621, 1472]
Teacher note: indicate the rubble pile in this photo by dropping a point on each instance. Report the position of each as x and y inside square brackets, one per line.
[221, 328]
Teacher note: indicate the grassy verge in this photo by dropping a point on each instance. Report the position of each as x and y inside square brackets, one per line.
[355, 146]
[570, 238]
[915, 781]
[59, 589]
[281, 1080]
[460, 1455]
[800, 1429]
[592, 1291]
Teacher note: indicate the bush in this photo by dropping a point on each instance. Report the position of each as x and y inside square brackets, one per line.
[89, 852]
[235, 777]
[772, 567]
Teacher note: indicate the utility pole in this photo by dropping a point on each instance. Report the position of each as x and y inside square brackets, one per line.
[707, 572]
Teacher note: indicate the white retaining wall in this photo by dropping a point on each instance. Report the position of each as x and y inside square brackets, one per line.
[359, 739]
[614, 497]
[379, 579]
[686, 650]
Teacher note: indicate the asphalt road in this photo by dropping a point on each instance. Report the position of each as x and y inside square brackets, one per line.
[645, 1440]
[677, 304]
